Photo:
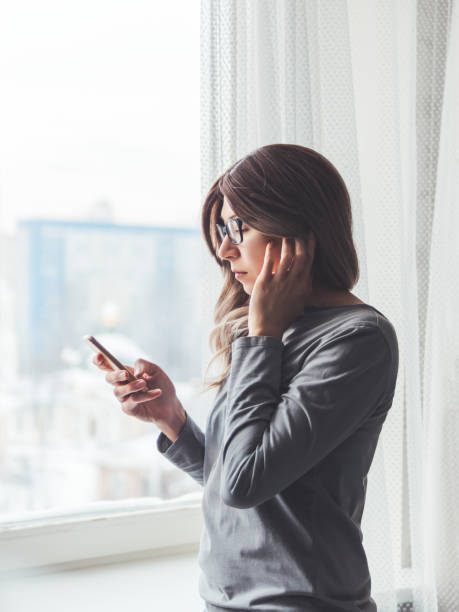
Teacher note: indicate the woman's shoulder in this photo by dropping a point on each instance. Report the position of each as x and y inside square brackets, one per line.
[319, 324]
[370, 316]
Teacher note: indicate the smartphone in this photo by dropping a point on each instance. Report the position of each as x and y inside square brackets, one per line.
[97, 347]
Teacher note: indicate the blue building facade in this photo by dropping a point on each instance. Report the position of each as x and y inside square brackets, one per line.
[68, 270]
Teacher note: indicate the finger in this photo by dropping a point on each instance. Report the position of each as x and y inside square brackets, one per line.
[141, 366]
[145, 396]
[295, 255]
[296, 258]
[304, 255]
[299, 247]
[268, 263]
[286, 256]
[122, 390]
[100, 361]
[301, 251]
[129, 403]
[117, 376]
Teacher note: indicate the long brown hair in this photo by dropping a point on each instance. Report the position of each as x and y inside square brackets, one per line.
[279, 190]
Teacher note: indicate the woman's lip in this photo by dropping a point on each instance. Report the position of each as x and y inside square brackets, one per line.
[239, 273]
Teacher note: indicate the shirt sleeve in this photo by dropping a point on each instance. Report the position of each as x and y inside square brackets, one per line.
[187, 452]
[271, 440]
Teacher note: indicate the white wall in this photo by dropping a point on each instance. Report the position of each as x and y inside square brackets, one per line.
[160, 583]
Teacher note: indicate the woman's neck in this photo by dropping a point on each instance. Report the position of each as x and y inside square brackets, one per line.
[325, 296]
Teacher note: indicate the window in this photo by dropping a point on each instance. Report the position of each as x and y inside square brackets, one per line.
[100, 203]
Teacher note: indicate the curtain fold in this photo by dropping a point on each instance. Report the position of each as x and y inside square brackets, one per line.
[435, 542]
[365, 83]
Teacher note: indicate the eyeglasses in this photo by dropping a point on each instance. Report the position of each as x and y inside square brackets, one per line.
[233, 227]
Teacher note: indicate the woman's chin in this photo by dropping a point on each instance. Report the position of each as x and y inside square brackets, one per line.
[247, 286]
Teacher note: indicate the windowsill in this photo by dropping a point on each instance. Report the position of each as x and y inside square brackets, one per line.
[121, 531]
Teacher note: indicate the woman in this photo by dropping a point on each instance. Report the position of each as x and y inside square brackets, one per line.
[309, 377]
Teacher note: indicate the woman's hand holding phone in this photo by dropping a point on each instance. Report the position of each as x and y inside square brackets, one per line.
[153, 398]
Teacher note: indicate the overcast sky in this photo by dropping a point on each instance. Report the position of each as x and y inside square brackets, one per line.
[99, 102]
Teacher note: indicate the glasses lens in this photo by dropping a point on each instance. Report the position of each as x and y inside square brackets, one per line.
[233, 230]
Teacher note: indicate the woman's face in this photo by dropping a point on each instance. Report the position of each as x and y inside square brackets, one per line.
[248, 256]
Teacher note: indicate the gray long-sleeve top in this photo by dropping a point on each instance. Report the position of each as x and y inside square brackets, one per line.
[284, 462]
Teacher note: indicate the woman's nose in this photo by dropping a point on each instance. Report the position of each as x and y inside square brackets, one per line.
[226, 247]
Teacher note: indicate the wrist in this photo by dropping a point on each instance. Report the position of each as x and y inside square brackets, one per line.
[172, 428]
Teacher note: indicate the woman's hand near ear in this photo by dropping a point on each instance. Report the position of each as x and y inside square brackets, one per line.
[278, 297]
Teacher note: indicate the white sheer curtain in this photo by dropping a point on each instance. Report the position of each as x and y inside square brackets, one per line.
[374, 86]
[436, 521]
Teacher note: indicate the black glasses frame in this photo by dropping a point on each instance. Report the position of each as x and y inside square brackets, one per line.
[222, 229]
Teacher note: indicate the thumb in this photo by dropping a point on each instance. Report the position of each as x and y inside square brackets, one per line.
[142, 366]
[139, 368]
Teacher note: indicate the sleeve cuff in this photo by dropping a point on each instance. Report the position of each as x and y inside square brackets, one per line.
[247, 341]
[190, 435]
